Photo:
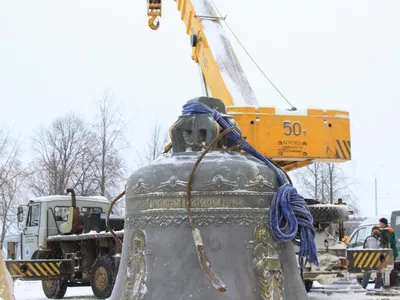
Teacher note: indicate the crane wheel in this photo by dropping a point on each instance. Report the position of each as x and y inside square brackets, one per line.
[102, 277]
[328, 213]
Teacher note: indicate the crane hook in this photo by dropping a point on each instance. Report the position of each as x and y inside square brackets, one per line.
[154, 23]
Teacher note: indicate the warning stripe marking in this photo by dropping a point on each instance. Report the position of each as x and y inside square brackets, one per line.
[57, 270]
[340, 147]
[34, 269]
[369, 259]
[347, 146]
[28, 272]
[41, 270]
[376, 258]
[363, 259]
[357, 259]
[343, 149]
[48, 269]
[16, 270]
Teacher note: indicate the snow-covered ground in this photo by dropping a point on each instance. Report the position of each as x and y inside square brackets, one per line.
[355, 296]
[33, 291]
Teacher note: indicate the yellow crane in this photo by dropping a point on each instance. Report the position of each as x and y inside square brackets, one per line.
[291, 138]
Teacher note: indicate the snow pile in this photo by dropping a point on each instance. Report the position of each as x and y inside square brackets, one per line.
[91, 234]
[327, 262]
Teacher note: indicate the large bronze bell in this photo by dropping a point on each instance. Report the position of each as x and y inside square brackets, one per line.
[164, 258]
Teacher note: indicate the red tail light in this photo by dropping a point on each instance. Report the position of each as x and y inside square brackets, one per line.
[344, 262]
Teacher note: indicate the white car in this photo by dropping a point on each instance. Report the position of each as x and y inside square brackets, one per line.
[358, 236]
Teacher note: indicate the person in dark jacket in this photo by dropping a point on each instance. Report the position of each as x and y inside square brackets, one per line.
[373, 242]
[383, 223]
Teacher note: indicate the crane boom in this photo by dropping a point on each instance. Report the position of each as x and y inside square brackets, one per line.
[222, 71]
[212, 50]
[291, 138]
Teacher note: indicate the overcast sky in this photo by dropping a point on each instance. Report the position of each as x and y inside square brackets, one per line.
[60, 56]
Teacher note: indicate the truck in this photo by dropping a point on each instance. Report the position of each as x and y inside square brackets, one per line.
[64, 242]
[358, 236]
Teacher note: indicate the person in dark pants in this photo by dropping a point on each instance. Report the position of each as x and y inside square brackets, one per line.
[383, 223]
[373, 242]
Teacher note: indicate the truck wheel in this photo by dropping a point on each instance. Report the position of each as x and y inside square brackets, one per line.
[308, 285]
[54, 289]
[102, 277]
[329, 213]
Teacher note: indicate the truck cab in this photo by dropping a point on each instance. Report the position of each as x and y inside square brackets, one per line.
[43, 217]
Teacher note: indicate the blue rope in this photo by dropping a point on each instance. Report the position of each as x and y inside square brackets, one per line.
[290, 219]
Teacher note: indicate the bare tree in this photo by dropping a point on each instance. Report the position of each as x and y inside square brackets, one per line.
[83, 176]
[326, 182]
[156, 141]
[10, 197]
[12, 176]
[312, 180]
[353, 206]
[62, 156]
[109, 134]
[70, 153]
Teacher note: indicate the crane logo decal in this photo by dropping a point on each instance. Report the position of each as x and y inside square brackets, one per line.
[343, 149]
